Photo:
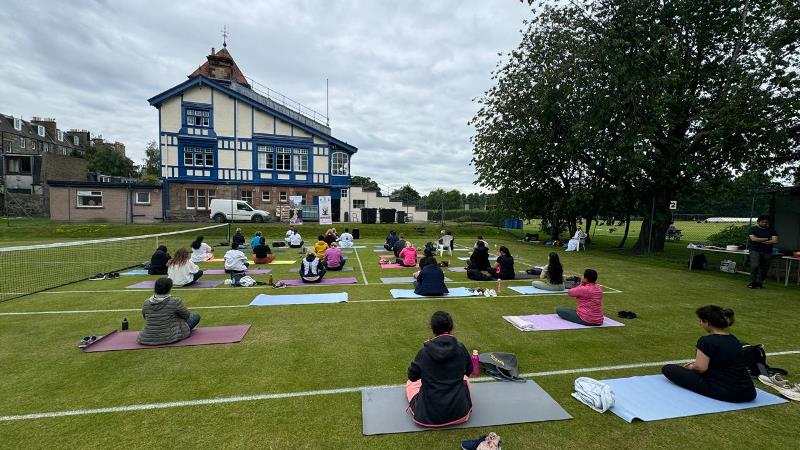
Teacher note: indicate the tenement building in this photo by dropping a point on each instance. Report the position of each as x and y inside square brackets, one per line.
[221, 138]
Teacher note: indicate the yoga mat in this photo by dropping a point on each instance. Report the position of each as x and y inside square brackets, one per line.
[282, 262]
[149, 284]
[654, 397]
[454, 292]
[344, 269]
[466, 258]
[118, 340]
[397, 266]
[248, 272]
[530, 290]
[135, 272]
[383, 410]
[379, 248]
[328, 281]
[457, 269]
[405, 280]
[298, 299]
[548, 322]
[222, 260]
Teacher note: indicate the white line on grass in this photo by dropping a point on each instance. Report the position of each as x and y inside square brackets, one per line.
[347, 390]
[361, 266]
[387, 300]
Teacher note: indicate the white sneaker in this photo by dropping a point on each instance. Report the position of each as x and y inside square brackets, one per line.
[781, 385]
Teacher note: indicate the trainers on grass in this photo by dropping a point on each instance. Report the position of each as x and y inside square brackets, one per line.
[781, 385]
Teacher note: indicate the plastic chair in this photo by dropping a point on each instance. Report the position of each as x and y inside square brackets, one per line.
[444, 244]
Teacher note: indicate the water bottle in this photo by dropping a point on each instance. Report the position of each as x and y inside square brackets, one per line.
[124, 323]
[497, 289]
[476, 367]
[270, 280]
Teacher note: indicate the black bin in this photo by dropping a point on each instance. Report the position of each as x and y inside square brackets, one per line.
[356, 233]
[401, 217]
[369, 215]
[387, 215]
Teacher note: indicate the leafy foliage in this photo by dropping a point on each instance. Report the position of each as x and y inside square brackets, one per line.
[730, 235]
[365, 182]
[106, 160]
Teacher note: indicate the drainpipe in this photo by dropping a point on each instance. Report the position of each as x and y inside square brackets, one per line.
[129, 206]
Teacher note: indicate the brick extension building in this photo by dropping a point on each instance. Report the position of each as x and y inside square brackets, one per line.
[219, 138]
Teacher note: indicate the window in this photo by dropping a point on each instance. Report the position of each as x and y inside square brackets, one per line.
[359, 203]
[266, 158]
[197, 118]
[247, 196]
[190, 198]
[18, 165]
[40, 130]
[199, 198]
[60, 135]
[142, 198]
[301, 160]
[265, 197]
[46, 147]
[33, 145]
[284, 159]
[22, 142]
[17, 124]
[243, 207]
[339, 163]
[198, 157]
[282, 197]
[90, 199]
[76, 141]
[343, 193]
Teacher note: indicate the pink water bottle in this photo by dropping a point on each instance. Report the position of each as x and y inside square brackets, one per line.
[476, 367]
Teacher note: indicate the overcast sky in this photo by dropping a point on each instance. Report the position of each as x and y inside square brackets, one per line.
[403, 75]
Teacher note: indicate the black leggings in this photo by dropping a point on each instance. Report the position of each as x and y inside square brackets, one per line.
[696, 382]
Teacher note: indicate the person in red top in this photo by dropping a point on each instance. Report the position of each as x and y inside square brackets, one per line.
[588, 302]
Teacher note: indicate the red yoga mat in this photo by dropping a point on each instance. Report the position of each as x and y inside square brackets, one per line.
[117, 340]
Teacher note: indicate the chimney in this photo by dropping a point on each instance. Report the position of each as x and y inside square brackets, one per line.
[212, 50]
[48, 124]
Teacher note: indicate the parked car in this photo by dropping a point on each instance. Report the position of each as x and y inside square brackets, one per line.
[236, 211]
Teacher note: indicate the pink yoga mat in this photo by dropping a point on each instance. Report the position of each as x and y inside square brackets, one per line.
[117, 340]
[249, 272]
[396, 266]
[548, 322]
[198, 284]
[298, 282]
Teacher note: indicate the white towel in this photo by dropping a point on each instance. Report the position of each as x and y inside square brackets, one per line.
[520, 323]
[594, 394]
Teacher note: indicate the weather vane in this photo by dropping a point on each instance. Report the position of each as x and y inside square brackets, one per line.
[225, 35]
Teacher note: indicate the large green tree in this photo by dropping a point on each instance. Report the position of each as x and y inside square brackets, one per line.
[366, 182]
[406, 194]
[623, 105]
[105, 159]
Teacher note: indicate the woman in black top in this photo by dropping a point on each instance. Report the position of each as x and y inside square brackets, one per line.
[719, 369]
[158, 262]
[262, 254]
[238, 239]
[504, 269]
[479, 259]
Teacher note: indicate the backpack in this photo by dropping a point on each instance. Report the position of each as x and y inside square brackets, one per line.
[698, 262]
[500, 366]
[571, 282]
[756, 361]
[477, 275]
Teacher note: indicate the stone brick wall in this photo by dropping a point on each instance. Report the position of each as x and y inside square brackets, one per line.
[116, 205]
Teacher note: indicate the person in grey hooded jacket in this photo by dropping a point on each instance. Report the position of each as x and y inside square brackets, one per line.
[166, 318]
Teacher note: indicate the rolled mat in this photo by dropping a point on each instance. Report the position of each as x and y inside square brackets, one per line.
[199, 284]
[654, 397]
[118, 340]
[325, 281]
[549, 322]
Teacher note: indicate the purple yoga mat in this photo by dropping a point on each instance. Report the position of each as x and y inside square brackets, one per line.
[297, 282]
[548, 322]
[249, 271]
[199, 284]
[117, 340]
[396, 266]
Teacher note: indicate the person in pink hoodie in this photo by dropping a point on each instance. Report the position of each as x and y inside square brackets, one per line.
[333, 258]
[408, 256]
[588, 302]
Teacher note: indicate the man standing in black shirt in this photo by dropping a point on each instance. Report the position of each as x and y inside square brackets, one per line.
[762, 238]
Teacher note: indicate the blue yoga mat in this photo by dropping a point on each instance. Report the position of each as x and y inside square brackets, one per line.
[409, 293]
[530, 290]
[135, 272]
[654, 397]
[298, 299]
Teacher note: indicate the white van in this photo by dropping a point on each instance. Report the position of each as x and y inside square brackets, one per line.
[235, 210]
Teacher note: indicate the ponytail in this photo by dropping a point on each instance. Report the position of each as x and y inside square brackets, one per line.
[716, 316]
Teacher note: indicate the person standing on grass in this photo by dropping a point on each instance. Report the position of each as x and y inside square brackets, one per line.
[429, 280]
[762, 239]
[333, 258]
[346, 239]
[311, 268]
[437, 389]
[262, 254]
[719, 369]
[201, 251]
[504, 266]
[588, 302]
[181, 270]
[552, 276]
[408, 255]
[235, 261]
[158, 262]
[166, 318]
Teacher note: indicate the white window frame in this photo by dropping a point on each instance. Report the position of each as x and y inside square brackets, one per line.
[359, 207]
[191, 195]
[266, 155]
[76, 141]
[248, 198]
[283, 197]
[139, 202]
[60, 135]
[199, 118]
[22, 142]
[340, 168]
[46, 147]
[284, 155]
[301, 160]
[199, 156]
[17, 124]
[40, 130]
[343, 193]
[266, 197]
[90, 194]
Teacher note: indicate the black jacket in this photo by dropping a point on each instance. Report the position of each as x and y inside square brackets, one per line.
[444, 396]
[261, 250]
[430, 281]
[506, 268]
[238, 239]
[479, 259]
[158, 263]
[398, 247]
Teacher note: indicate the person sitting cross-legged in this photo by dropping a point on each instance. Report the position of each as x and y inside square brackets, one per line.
[429, 279]
[166, 318]
[181, 270]
[262, 254]
[552, 276]
[295, 240]
[311, 268]
[333, 258]
[399, 245]
[235, 261]
[437, 389]
[158, 262]
[320, 246]
[346, 239]
[408, 256]
[588, 301]
[256, 239]
[238, 239]
[504, 266]
[719, 369]
[391, 238]
[479, 259]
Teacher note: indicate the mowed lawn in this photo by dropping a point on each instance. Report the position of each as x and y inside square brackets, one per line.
[370, 341]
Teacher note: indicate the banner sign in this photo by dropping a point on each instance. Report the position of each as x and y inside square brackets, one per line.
[296, 210]
[325, 217]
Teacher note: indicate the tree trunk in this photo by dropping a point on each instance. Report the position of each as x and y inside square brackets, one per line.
[627, 229]
[588, 229]
[653, 232]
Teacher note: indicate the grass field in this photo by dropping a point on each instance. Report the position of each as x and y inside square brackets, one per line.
[300, 350]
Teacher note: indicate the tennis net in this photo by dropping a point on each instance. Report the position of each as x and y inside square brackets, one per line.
[30, 269]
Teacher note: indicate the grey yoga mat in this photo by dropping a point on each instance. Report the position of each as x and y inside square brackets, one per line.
[383, 410]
